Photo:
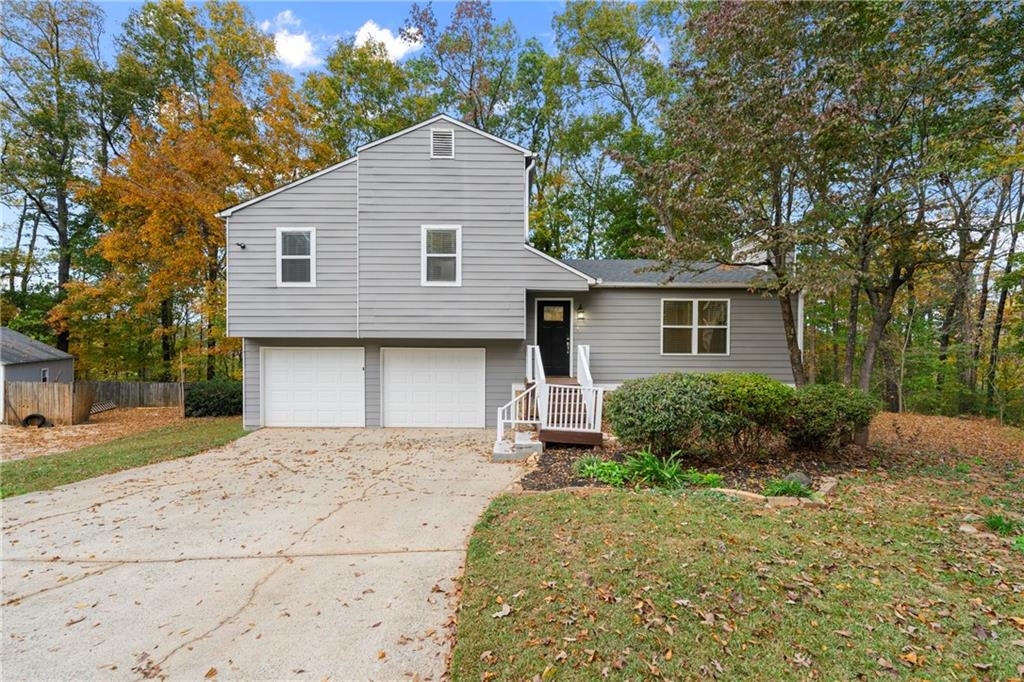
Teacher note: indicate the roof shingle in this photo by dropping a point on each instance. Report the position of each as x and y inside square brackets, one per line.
[638, 271]
[17, 349]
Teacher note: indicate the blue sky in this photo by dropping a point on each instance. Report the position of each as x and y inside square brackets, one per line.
[305, 31]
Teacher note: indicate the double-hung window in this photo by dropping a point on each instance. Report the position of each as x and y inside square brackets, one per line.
[441, 256]
[296, 257]
[694, 326]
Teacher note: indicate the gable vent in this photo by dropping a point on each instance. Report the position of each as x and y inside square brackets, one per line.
[442, 143]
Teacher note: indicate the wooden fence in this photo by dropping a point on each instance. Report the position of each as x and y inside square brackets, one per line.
[59, 403]
[138, 393]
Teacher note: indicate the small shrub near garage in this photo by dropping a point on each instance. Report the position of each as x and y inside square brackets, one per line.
[221, 398]
[755, 407]
[665, 413]
[825, 415]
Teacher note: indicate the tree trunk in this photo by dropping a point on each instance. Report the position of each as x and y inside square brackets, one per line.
[789, 324]
[997, 326]
[890, 384]
[167, 339]
[851, 332]
[16, 251]
[979, 320]
[30, 254]
[63, 258]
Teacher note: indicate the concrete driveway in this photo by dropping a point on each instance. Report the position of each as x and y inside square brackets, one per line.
[287, 554]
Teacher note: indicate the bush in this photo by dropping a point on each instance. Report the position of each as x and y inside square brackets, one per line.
[664, 413]
[647, 468]
[606, 471]
[219, 398]
[824, 415]
[755, 406]
[644, 468]
[778, 487]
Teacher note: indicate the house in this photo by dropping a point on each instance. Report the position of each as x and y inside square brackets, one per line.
[398, 288]
[25, 359]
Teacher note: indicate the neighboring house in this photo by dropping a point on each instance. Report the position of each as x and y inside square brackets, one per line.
[397, 288]
[25, 359]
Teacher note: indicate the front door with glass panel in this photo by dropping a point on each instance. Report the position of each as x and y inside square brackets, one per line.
[554, 333]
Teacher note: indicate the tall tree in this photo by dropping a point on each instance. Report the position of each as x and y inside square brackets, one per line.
[362, 95]
[473, 59]
[45, 131]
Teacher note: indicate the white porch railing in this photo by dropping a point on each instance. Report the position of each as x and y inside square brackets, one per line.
[520, 410]
[573, 408]
[559, 407]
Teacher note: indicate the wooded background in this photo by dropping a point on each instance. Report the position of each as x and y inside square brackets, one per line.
[869, 155]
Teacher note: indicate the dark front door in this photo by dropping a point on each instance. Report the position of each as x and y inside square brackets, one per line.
[554, 326]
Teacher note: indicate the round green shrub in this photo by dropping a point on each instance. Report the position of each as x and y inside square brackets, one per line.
[665, 412]
[824, 415]
[755, 406]
[218, 398]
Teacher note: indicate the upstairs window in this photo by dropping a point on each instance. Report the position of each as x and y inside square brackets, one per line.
[694, 326]
[296, 257]
[442, 143]
[44, 375]
[441, 255]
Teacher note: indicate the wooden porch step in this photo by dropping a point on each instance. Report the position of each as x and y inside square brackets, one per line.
[570, 437]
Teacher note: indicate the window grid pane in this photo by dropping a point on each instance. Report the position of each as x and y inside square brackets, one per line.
[711, 340]
[677, 340]
[441, 268]
[295, 270]
[441, 242]
[712, 314]
[296, 243]
[678, 313]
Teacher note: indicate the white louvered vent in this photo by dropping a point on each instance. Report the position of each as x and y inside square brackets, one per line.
[442, 143]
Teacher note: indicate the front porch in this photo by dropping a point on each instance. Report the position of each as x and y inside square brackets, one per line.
[556, 409]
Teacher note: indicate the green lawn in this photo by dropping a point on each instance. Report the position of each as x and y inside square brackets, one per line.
[690, 585]
[181, 440]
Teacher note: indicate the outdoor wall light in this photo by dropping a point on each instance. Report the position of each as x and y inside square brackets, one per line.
[579, 312]
[240, 245]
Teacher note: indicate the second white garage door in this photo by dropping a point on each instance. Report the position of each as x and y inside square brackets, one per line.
[313, 387]
[433, 386]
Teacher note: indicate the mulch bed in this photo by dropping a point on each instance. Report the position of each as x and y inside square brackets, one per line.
[556, 466]
[897, 441]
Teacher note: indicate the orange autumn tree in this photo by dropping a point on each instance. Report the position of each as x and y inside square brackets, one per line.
[165, 247]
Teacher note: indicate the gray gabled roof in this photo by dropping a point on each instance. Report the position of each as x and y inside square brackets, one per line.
[640, 272]
[17, 349]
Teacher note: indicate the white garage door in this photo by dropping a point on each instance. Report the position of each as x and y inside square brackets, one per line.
[433, 386]
[313, 387]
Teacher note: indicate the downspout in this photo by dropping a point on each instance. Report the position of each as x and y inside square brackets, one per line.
[526, 198]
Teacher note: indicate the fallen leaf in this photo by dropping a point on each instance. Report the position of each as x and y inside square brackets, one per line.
[505, 610]
[211, 673]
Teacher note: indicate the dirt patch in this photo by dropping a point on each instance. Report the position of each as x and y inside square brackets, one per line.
[22, 443]
[897, 441]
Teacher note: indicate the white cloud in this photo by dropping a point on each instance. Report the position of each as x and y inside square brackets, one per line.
[295, 49]
[396, 47]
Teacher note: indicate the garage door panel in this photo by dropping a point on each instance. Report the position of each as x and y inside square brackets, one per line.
[433, 386]
[314, 387]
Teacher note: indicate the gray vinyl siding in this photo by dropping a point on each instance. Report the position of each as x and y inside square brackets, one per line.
[505, 366]
[623, 329]
[256, 305]
[61, 371]
[482, 189]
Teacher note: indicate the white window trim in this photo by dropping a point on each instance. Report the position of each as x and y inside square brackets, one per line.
[44, 375]
[694, 326]
[312, 256]
[442, 130]
[458, 255]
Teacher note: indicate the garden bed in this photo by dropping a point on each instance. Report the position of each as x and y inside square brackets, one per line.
[898, 441]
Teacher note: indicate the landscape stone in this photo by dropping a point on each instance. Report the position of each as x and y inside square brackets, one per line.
[971, 518]
[799, 477]
[783, 502]
[968, 529]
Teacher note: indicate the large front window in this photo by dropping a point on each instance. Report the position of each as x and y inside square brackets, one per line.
[441, 255]
[694, 326]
